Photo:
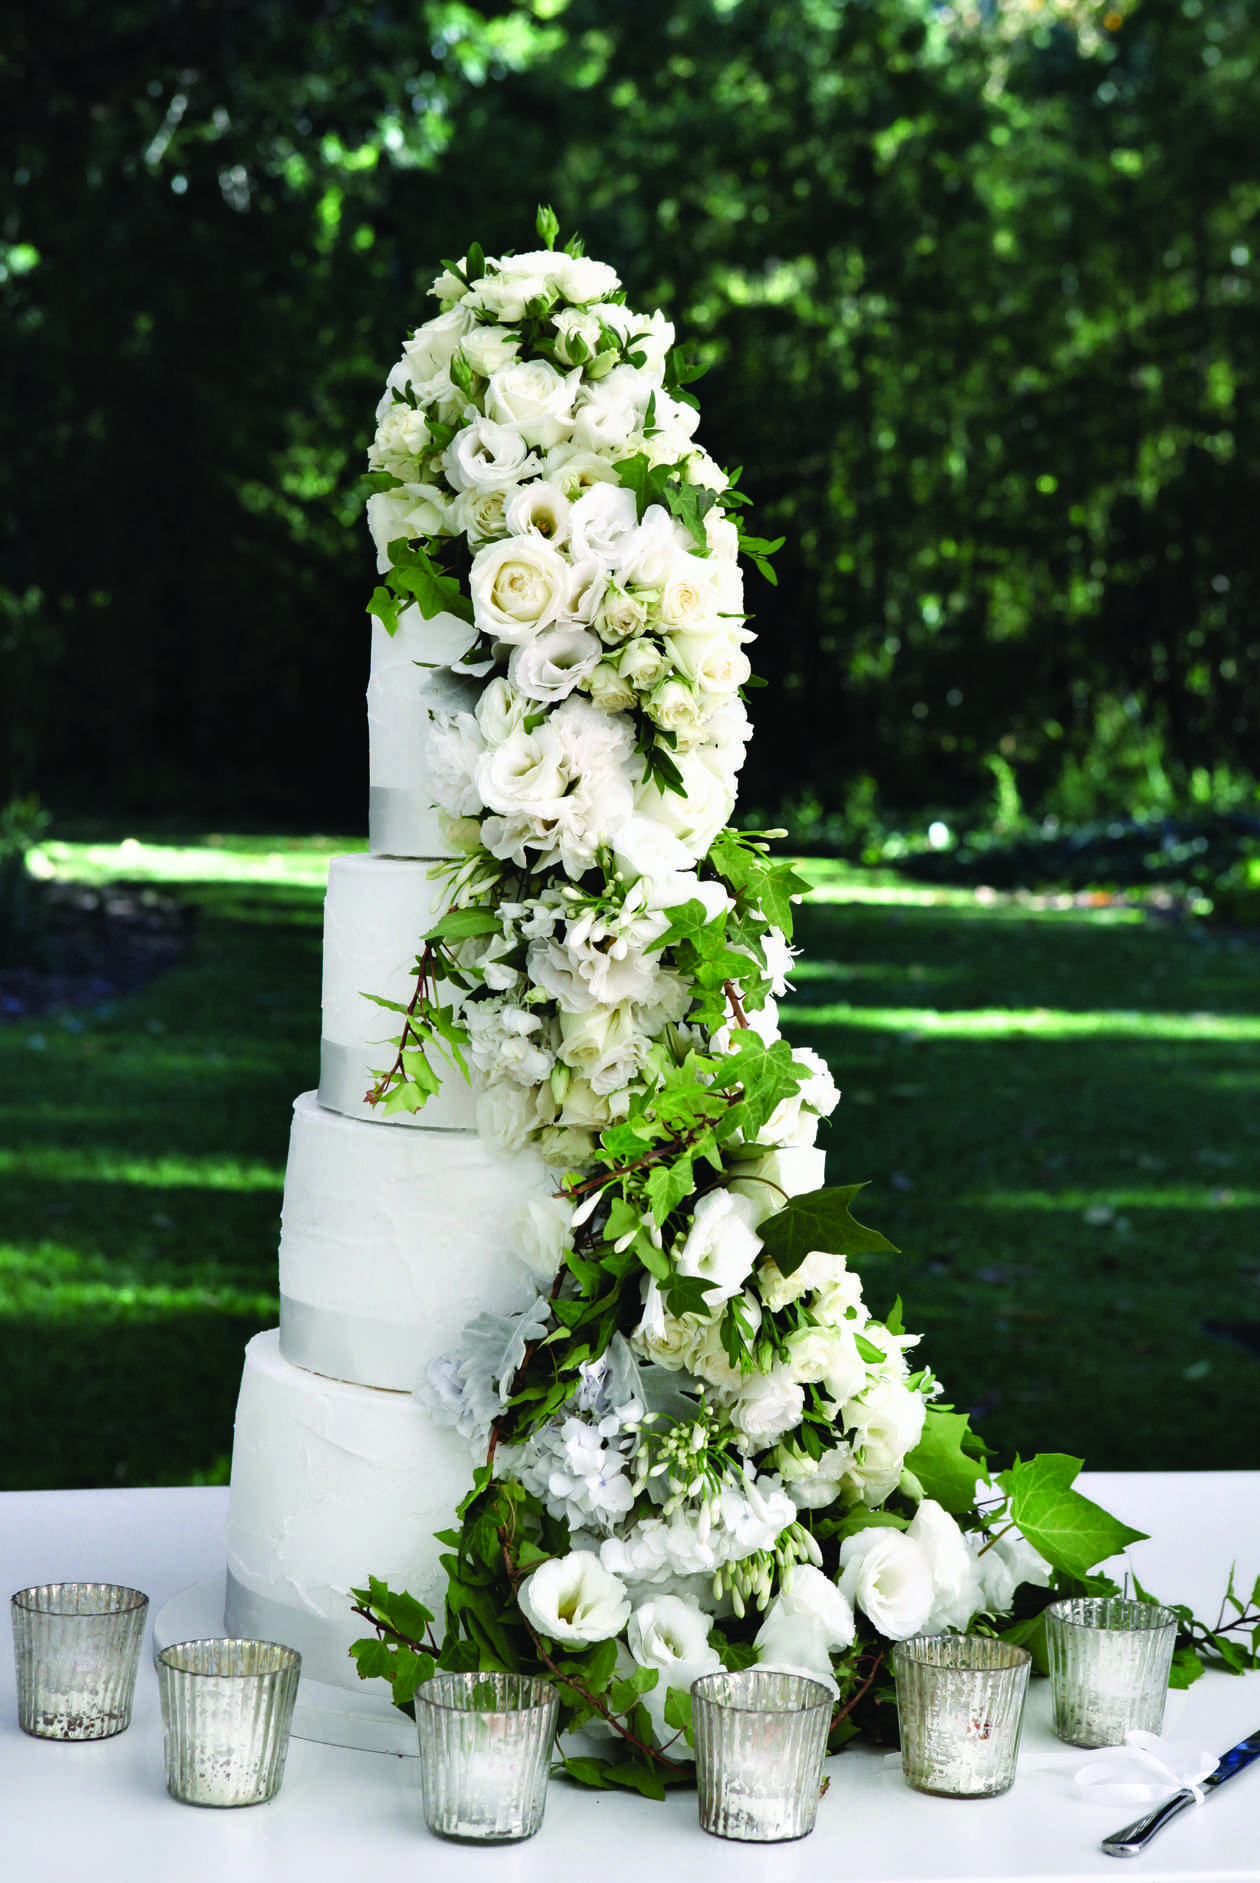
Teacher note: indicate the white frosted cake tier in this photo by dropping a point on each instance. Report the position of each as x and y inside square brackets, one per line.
[331, 1484]
[402, 691]
[375, 912]
[391, 1241]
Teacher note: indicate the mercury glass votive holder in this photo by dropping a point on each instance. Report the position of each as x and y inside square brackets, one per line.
[1109, 1662]
[960, 1704]
[761, 1737]
[227, 1707]
[76, 1646]
[485, 1748]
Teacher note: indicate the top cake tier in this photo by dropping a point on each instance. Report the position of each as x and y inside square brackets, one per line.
[407, 684]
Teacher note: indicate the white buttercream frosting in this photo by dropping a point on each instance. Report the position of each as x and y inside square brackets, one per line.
[407, 683]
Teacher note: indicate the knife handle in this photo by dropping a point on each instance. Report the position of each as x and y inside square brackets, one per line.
[1131, 1841]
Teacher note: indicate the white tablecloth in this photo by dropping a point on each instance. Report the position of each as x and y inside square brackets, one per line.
[99, 1813]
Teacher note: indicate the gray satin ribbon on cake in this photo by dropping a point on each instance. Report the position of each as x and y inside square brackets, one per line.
[403, 823]
[345, 1072]
[357, 1348]
[323, 1645]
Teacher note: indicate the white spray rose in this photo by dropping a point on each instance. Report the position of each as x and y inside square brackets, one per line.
[604, 1046]
[583, 280]
[533, 398]
[574, 1599]
[507, 1113]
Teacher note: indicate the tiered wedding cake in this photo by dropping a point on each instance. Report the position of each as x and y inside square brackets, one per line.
[395, 1233]
[629, 1302]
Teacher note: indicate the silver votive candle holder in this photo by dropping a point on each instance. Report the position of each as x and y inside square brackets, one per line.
[760, 1740]
[227, 1709]
[485, 1751]
[76, 1646]
[960, 1705]
[1109, 1663]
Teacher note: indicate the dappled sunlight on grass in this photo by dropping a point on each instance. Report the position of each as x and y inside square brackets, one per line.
[299, 861]
[98, 1165]
[1048, 1023]
[1129, 1197]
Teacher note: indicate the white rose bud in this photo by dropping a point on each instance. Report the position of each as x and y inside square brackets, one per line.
[642, 665]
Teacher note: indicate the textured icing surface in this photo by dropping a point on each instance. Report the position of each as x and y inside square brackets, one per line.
[330, 1484]
[375, 912]
[391, 1241]
[401, 692]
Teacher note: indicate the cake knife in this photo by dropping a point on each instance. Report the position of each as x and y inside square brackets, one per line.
[1134, 1838]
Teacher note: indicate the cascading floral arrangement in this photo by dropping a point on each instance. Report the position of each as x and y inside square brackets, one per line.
[700, 1447]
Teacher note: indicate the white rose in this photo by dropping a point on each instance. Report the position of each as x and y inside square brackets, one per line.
[517, 587]
[480, 514]
[409, 511]
[533, 398]
[431, 347]
[685, 594]
[506, 295]
[549, 666]
[489, 348]
[586, 1109]
[819, 1271]
[604, 1046]
[501, 711]
[667, 1339]
[887, 1575]
[713, 662]
[620, 616]
[642, 664]
[697, 816]
[578, 335]
[827, 1356]
[671, 1635]
[674, 707]
[402, 436]
[573, 1599]
[608, 690]
[583, 280]
[767, 1406]
[721, 1246]
[486, 456]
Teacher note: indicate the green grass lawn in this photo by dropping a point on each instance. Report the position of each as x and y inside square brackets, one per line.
[1056, 1110]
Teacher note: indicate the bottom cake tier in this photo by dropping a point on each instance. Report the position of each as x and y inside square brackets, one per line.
[331, 1484]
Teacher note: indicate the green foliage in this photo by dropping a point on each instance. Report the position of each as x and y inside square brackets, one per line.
[944, 1460]
[1071, 1532]
[819, 1219]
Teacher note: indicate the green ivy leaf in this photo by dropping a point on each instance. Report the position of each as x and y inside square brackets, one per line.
[1072, 1533]
[820, 1219]
[942, 1465]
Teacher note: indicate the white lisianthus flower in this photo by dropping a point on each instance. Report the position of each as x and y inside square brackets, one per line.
[652, 334]
[539, 509]
[812, 1483]
[883, 1424]
[453, 746]
[1005, 1563]
[721, 1245]
[573, 1599]
[600, 518]
[576, 470]
[956, 1591]
[486, 456]
[768, 1180]
[671, 1634]
[610, 410]
[508, 1114]
[794, 1120]
[812, 1596]
[648, 555]
[887, 1574]
[553, 662]
[517, 587]
[526, 773]
[534, 399]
